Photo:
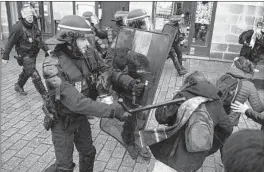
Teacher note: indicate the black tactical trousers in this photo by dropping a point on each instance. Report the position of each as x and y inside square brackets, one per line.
[67, 134]
[175, 55]
[29, 70]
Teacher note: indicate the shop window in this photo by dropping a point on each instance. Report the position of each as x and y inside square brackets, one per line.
[61, 9]
[82, 7]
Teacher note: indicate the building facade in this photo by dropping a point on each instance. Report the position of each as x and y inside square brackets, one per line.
[212, 28]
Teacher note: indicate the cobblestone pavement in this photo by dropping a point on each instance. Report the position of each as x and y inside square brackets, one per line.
[26, 146]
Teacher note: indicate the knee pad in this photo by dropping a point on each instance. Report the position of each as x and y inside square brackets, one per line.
[35, 75]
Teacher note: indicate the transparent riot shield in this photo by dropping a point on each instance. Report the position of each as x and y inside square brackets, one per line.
[155, 48]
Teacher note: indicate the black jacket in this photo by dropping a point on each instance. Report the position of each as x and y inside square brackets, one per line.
[244, 39]
[27, 41]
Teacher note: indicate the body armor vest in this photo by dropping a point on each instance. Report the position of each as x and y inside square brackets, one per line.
[29, 42]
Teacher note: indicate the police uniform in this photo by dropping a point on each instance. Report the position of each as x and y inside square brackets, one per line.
[64, 71]
[27, 41]
[175, 53]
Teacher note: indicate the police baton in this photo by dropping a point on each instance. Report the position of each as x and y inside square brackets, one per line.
[147, 107]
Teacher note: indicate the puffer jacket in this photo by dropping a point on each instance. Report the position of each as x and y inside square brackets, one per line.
[257, 117]
[246, 91]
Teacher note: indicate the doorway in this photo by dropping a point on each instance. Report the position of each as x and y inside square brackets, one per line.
[201, 28]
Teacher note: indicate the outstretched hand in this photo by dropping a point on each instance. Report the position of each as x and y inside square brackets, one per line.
[239, 107]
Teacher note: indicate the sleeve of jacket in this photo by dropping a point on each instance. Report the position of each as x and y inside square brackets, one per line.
[69, 96]
[167, 114]
[43, 45]
[13, 39]
[78, 103]
[121, 79]
[254, 98]
[257, 117]
[225, 124]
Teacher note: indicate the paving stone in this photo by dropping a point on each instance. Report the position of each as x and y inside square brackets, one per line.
[35, 142]
[21, 124]
[30, 160]
[128, 161]
[23, 153]
[110, 145]
[125, 169]
[99, 165]
[14, 138]
[3, 138]
[140, 167]
[5, 145]
[104, 156]
[7, 155]
[20, 168]
[100, 139]
[12, 163]
[30, 135]
[119, 152]
[19, 145]
[114, 163]
[41, 149]
[10, 132]
[37, 167]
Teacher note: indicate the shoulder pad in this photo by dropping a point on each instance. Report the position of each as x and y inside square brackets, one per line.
[50, 66]
[50, 72]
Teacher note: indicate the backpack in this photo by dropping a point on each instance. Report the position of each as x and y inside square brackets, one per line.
[199, 133]
[242, 37]
[228, 85]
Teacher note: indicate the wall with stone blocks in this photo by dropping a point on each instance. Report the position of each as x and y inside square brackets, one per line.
[4, 23]
[231, 19]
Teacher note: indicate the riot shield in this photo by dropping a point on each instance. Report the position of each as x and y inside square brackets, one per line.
[171, 30]
[155, 47]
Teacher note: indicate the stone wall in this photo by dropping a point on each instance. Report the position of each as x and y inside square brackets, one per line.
[231, 19]
[4, 22]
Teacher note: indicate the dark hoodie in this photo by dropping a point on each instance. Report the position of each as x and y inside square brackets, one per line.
[173, 152]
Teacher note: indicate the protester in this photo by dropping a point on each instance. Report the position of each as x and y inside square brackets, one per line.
[236, 85]
[243, 151]
[186, 142]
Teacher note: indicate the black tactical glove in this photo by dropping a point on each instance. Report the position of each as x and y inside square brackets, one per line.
[136, 86]
[119, 113]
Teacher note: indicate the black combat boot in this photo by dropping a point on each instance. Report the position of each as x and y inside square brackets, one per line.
[20, 90]
[22, 79]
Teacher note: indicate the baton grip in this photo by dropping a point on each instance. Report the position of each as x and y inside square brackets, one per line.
[121, 102]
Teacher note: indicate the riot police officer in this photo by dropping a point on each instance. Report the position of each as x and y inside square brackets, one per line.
[74, 68]
[139, 19]
[175, 53]
[26, 37]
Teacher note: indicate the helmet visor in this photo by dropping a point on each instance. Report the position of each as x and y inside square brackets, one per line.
[144, 24]
[28, 11]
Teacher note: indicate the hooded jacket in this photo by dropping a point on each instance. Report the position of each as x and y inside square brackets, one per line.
[182, 160]
[246, 91]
